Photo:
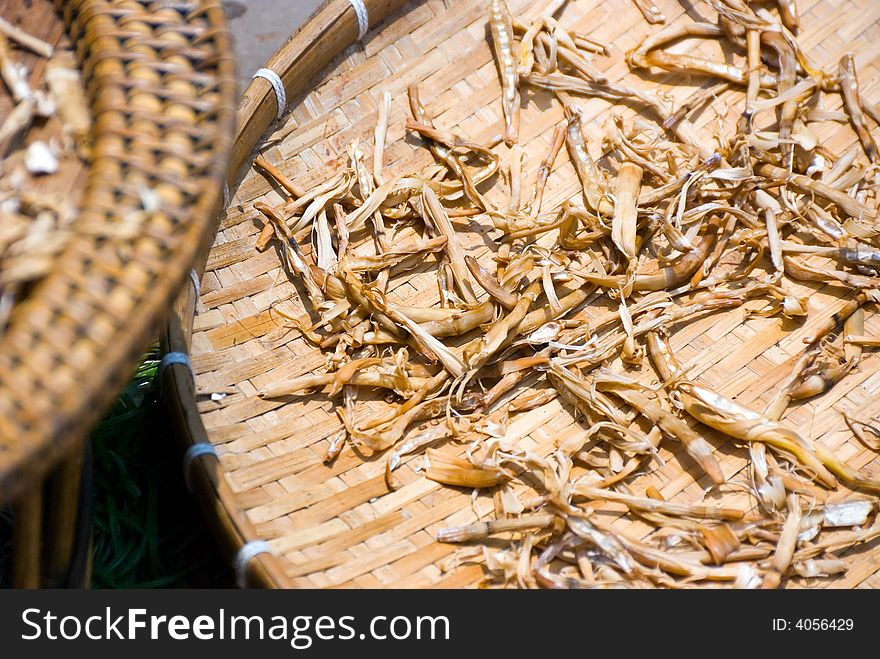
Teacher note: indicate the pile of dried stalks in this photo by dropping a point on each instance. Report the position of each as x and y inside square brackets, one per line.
[669, 227]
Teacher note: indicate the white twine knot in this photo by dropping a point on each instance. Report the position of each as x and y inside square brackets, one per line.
[277, 85]
[245, 555]
[363, 18]
[192, 453]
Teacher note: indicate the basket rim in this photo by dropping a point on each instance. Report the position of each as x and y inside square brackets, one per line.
[35, 442]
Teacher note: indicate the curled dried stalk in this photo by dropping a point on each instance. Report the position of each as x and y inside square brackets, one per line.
[650, 11]
[647, 54]
[847, 204]
[396, 256]
[653, 505]
[669, 276]
[695, 445]
[501, 28]
[696, 100]
[800, 269]
[849, 88]
[592, 181]
[489, 284]
[735, 420]
[867, 432]
[478, 353]
[441, 223]
[556, 142]
[294, 258]
[483, 530]
[826, 369]
[821, 366]
[467, 181]
[375, 379]
[379, 136]
[742, 423]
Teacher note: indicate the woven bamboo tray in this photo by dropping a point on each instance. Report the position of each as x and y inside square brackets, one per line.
[338, 525]
[159, 79]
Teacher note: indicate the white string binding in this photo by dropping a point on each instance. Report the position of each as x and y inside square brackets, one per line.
[362, 17]
[193, 452]
[174, 358]
[194, 278]
[225, 195]
[277, 85]
[244, 556]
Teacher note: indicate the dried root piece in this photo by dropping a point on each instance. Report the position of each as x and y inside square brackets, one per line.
[483, 530]
[449, 470]
[623, 222]
[786, 546]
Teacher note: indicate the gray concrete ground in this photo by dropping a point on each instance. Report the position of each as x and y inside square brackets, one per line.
[259, 27]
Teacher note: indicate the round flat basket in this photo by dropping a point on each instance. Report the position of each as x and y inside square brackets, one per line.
[156, 84]
[557, 505]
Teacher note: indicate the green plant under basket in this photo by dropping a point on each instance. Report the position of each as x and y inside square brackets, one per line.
[145, 530]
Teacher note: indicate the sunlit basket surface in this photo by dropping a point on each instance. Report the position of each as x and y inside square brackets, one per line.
[339, 525]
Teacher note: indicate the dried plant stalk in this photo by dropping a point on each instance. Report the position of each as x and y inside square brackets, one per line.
[623, 222]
